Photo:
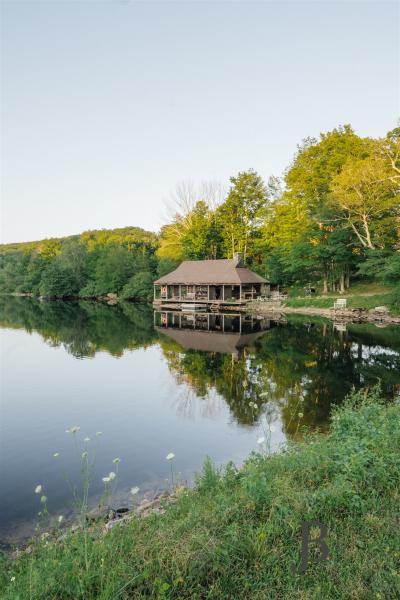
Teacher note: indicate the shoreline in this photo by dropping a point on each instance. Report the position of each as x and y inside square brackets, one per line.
[238, 530]
[275, 309]
[343, 316]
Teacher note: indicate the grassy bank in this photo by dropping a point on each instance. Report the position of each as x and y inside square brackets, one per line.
[365, 296]
[238, 533]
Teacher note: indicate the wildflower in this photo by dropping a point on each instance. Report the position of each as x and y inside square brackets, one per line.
[60, 519]
[38, 489]
[56, 455]
[43, 499]
[73, 429]
[106, 479]
[300, 414]
[86, 439]
[12, 578]
[272, 428]
[170, 456]
[116, 461]
[134, 490]
[99, 433]
[84, 454]
[261, 440]
[111, 475]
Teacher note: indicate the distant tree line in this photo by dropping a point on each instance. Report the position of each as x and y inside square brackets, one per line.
[94, 264]
[333, 216]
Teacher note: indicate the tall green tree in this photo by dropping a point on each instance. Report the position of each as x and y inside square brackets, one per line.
[240, 215]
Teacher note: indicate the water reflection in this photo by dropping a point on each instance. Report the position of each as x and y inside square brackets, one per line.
[193, 384]
[299, 368]
[228, 333]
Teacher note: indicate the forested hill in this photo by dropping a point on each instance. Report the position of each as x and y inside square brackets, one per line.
[334, 217]
[90, 238]
[90, 264]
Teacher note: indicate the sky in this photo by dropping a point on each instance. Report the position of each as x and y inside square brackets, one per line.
[107, 105]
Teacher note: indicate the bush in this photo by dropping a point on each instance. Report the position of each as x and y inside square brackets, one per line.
[139, 287]
[395, 298]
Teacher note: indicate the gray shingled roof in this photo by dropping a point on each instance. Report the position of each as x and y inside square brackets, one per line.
[212, 272]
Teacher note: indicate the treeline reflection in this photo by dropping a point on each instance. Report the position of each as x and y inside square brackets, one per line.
[299, 367]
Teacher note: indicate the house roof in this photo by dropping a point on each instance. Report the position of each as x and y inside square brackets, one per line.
[211, 341]
[212, 272]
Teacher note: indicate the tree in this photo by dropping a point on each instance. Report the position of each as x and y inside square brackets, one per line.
[240, 214]
[368, 197]
[58, 281]
[139, 287]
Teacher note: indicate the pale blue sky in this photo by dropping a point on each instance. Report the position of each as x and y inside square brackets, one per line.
[107, 105]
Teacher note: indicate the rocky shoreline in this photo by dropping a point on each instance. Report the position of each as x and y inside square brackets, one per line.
[379, 315]
[103, 519]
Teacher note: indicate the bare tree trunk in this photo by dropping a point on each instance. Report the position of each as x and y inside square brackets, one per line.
[342, 283]
[325, 284]
[367, 232]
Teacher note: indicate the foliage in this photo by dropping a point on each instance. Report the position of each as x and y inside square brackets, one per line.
[237, 534]
[334, 216]
[240, 214]
[93, 264]
[139, 287]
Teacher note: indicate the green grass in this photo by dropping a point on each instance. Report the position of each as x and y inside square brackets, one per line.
[356, 289]
[236, 535]
[352, 301]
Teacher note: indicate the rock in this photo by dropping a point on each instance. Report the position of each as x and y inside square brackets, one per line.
[381, 309]
[98, 513]
[147, 505]
[120, 512]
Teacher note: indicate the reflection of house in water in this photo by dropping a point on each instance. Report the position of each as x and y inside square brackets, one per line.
[210, 332]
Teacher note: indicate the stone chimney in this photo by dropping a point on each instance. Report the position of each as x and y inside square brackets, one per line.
[238, 258]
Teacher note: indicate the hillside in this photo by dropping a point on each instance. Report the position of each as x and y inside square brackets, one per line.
[91, 237]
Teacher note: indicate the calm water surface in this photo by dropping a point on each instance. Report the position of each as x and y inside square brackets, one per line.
[158, 383]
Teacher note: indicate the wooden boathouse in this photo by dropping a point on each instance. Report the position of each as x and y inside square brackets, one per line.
[210, 282]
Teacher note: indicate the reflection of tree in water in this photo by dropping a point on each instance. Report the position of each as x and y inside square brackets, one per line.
[83, 328]
[224, 374]
[302, 368]
[189, 405]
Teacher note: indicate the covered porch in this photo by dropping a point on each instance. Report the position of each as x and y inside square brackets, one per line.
[210, 293]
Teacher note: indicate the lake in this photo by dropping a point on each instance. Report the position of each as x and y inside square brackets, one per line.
[155, 383]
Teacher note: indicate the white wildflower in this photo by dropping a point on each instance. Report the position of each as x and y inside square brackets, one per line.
[111, 475]
[116, 461]
[301, 415]
[134, 490]
[170, 456]
[106, 479]
[60, 519]
[73, 429]
[43, 499]
[84, 454]
[38, 489]
[12, 578]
